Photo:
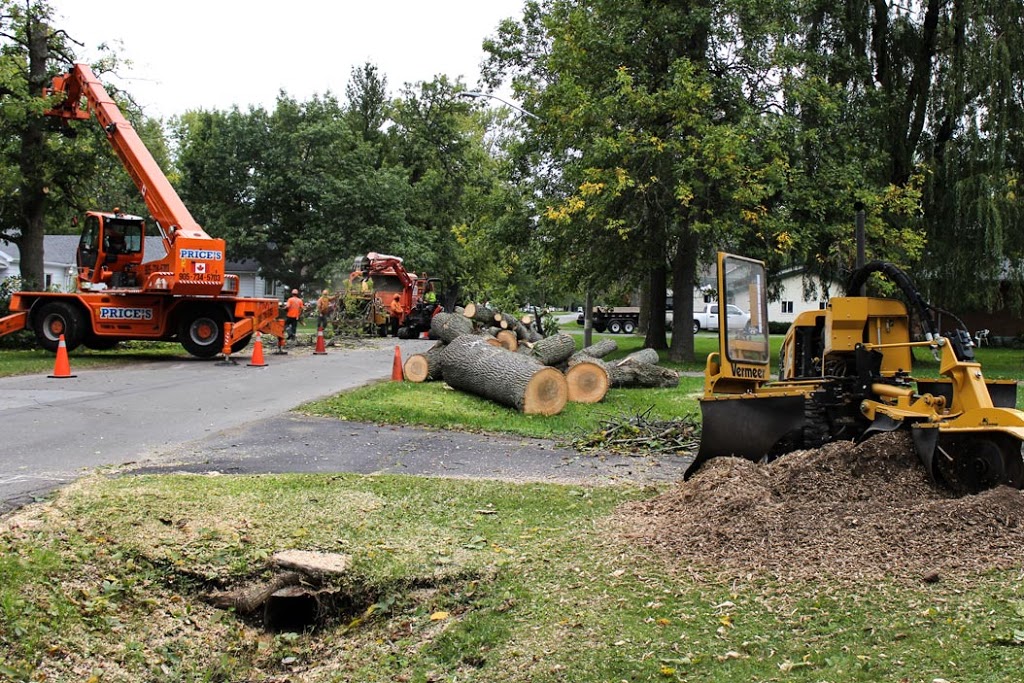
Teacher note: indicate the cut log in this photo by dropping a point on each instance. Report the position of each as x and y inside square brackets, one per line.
[480, 313]
[505, 321]
[470, 365]
[634, 374]
[648, 356]
[588, 381]
[555, 349]
[426, 366]
[507, 339]
[598, 350]
[448, 326]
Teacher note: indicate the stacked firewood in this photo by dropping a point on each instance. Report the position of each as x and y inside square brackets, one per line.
[506, 360]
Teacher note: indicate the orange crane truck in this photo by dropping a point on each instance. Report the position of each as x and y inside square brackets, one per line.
[183, 296]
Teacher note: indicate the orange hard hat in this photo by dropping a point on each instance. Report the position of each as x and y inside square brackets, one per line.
[397, 297]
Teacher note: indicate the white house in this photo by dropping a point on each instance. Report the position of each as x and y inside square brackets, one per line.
[793, 298]
[59, 265]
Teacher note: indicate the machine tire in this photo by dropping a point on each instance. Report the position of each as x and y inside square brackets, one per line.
[628, 327]
[56, 318]
[615, 326]
[241, 343]
[599, 327]
[201, 332]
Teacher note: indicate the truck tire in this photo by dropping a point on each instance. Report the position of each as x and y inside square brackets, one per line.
[599, 327]
[615, 326]
[201, 332]
[628, 327]
[696, 327]
[56, 318]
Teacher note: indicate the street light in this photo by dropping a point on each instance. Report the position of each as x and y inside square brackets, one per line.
[473, 94]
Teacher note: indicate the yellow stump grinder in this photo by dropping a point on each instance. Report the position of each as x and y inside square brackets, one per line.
[845, 374]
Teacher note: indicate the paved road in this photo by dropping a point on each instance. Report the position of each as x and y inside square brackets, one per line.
[193, 415]
[55, 429]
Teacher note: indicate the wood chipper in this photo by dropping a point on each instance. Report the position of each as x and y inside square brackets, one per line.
[845, 373]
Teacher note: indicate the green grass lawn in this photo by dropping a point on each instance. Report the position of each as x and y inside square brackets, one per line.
[451, 581]
[455, 580]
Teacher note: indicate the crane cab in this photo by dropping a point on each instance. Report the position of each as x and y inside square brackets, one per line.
[110, 251]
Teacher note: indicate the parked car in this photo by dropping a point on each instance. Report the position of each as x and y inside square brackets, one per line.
[707, 318]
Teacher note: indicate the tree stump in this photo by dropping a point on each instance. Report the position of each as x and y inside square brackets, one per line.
[470, 365]
[588, 381]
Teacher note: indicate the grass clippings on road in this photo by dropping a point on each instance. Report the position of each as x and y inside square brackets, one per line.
[454, 581]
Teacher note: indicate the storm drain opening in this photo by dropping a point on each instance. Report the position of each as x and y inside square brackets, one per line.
[303, 596]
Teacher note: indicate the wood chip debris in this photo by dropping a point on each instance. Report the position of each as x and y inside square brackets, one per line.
[865, 510]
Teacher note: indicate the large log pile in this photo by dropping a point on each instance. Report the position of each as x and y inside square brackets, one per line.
[506, 360]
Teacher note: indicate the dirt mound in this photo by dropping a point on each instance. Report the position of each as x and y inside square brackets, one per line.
[855, 510]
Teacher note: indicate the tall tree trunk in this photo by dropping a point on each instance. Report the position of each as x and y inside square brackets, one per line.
[684, 275]
[30, 162]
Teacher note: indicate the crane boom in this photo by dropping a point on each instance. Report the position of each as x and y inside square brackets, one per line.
[162, 201]
[194, 261]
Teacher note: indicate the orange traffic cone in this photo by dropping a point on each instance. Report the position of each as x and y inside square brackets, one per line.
[257, 353]
[320, 350]
[62, 368]
[396, 366]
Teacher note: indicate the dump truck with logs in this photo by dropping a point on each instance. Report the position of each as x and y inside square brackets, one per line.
[182, 295]
[846, 373]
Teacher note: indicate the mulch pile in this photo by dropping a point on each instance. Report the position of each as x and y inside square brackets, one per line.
[857, 510]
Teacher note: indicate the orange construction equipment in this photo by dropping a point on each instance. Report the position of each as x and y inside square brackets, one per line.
[62, 368]
[320, 350]
[257, 353]
[396, 366]
[178, 291]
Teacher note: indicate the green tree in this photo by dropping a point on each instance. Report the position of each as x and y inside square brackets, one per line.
[647, 146]
[29, 53]
[296, 189]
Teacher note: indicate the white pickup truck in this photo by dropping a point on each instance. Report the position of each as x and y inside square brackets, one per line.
[706, 318]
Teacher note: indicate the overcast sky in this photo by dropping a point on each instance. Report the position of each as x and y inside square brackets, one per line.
[212, 54]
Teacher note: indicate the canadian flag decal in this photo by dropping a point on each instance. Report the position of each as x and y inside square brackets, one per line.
[200, 267]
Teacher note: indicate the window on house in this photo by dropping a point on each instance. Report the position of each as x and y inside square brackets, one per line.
[269, 288]
[787, 306]
[49, 280]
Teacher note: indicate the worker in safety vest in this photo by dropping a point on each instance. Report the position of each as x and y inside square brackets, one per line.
[293, 309]
[396, 312]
